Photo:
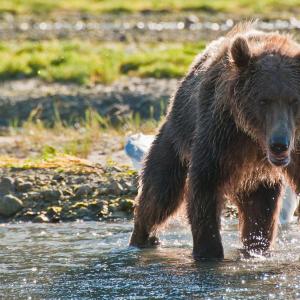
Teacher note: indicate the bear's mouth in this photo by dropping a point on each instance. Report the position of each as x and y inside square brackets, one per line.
[281, 160]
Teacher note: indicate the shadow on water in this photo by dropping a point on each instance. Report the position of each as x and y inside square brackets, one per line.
[92, 261]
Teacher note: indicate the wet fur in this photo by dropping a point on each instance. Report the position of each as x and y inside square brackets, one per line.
[210, 148]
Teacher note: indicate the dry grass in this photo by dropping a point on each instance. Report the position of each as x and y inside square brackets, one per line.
[66, 147]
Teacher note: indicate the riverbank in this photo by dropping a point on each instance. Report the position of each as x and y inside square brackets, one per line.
[54, 194]
[66, 188]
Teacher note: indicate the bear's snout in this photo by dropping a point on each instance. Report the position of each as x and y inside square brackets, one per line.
[279, 154]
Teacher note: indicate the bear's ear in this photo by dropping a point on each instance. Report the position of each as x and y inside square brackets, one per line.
[240, 52]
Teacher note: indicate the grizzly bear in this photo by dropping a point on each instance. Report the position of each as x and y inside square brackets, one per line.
[231, 132]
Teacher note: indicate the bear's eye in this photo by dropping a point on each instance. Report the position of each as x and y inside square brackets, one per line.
[264, 101]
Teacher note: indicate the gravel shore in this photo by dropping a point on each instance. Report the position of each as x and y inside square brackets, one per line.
[45, 195]
[51, 196]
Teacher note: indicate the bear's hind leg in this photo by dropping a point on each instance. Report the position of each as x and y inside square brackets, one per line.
[161, 191]
[258, 214]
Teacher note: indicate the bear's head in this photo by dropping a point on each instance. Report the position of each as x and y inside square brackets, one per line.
[266, 92]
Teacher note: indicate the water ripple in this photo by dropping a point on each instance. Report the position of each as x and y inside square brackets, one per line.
[91, 260]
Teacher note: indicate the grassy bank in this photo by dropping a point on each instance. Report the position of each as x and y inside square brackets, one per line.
[244, 7]
[86, 62]
[35, 144]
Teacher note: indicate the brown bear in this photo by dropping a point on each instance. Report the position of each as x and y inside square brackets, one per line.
[231, 132]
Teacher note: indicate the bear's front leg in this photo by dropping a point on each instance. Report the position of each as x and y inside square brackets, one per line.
[204, 208]
[258, 213]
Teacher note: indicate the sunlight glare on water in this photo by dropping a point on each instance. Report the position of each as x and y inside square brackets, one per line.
[91, 260]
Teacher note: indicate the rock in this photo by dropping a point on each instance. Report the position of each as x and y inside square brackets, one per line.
[53, 213]
[79, 180]
[83, 191]
[79, 204]
[104, 211]
[24, 187]
[113, 206]
[18, 181]
[126, 205]
[51, 195]
[103, 191]
[118, 215]
[116, 169]
[28, 215]
[97, 205]
[83, 212]
[58, 177]
[34, 196]
[130, 187]
[133, 189]
[67, 215]
[7, 185]
[55, 209]
[10, 205]
[68, 193]
[40, 219]
[115, 188]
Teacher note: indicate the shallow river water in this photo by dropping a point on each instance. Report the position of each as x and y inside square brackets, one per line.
[91, 260]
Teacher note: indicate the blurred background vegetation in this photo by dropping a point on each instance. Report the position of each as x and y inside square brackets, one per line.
[68, 58]
[93, 66]
[242, 7]
[85, 62]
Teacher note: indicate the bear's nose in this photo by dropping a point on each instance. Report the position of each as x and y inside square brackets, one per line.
[279, 145]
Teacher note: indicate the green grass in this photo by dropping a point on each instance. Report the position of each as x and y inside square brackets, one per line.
[85, 62]
[96, 6]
